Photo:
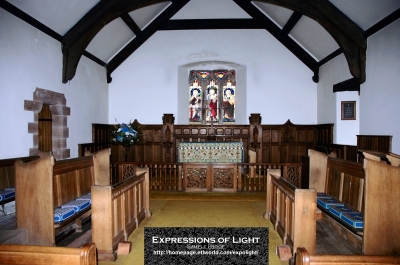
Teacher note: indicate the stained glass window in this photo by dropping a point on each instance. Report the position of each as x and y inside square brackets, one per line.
[212, 96]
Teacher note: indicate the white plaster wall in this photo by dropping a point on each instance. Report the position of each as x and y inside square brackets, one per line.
[380, 95]
[277, 84]
[329, 103]
[31, 59]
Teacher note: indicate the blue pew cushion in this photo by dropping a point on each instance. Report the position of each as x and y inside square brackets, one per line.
[86, 197]
[77, 205]
[339, 210]
[60, 214]
[353, 219]
[326, 203]
[7, 194]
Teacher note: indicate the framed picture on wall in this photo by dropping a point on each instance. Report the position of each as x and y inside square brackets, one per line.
[348, 110]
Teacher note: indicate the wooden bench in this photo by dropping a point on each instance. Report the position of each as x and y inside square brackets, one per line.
[292, 211]
[7, 177]
[117, 211]
[44, 255]
[371, 189]
[44, 185]
[304, 258]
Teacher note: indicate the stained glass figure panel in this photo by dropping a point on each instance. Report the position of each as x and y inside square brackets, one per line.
[229, 103]
[195, 103]
[212, 102]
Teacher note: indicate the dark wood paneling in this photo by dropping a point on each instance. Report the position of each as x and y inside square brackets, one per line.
[101, 133]
[380, 143]
[284, 143]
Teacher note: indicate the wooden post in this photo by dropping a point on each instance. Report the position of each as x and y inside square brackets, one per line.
[102, 220]
[305, 226]
[101, 167]
[35, 208]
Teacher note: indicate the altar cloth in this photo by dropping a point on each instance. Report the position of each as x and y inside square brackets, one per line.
[215, 152]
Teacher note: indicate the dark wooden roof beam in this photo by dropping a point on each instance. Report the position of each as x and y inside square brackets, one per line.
[288, 42]
[131, 24]
[152, 28]
[330, 57]
[43, 28]
[30, 20]
[349, 36]
[198, 24]
[352, 84]
[81, 34]
[383, 23]
[84, 25]
[294, 18]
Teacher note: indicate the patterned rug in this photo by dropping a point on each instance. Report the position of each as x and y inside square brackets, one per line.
[207, 196]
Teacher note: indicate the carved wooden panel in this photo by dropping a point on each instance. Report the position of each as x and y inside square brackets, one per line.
[196, 178]
[128, 170]
[223, 178]
[293, 175]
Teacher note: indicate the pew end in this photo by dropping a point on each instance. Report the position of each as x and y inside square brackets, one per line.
[302, 257]
[39, 255]
[292, 211]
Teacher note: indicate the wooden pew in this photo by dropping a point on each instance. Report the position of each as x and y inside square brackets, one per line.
[381, 214]
[370, 188]
[292, 211]
[304, 258]
[344, 181]
[45, 184]
[44, 255]
[7, 174]
[117, 211]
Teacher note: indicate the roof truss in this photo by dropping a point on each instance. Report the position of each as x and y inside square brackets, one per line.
[347, 34]
[350, 38]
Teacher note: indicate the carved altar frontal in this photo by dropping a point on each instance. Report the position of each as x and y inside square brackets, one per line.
[219, 152]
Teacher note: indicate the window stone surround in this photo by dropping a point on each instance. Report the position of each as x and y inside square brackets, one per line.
[59, 111]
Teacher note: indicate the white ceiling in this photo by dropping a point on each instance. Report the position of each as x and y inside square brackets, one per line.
[62, 15]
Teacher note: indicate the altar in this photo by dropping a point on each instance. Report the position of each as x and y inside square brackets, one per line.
[211, 152]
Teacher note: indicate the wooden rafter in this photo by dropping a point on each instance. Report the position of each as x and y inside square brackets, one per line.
[352, 84]
[195, 24]
[144, 36]
[294, 18]
[131, 24]
[350, 37]
[82, 33]
[281, 36]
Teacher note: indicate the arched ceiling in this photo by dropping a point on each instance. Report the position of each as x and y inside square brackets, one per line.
[109, 31]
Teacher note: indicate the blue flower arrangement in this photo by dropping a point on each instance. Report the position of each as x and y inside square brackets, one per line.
[125, 134]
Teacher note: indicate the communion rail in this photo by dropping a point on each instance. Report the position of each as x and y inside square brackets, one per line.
[250, 177]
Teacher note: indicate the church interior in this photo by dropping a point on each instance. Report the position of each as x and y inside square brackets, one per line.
[189, 115]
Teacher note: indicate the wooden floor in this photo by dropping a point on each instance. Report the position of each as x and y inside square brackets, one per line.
[8, 228]
[328, 241]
